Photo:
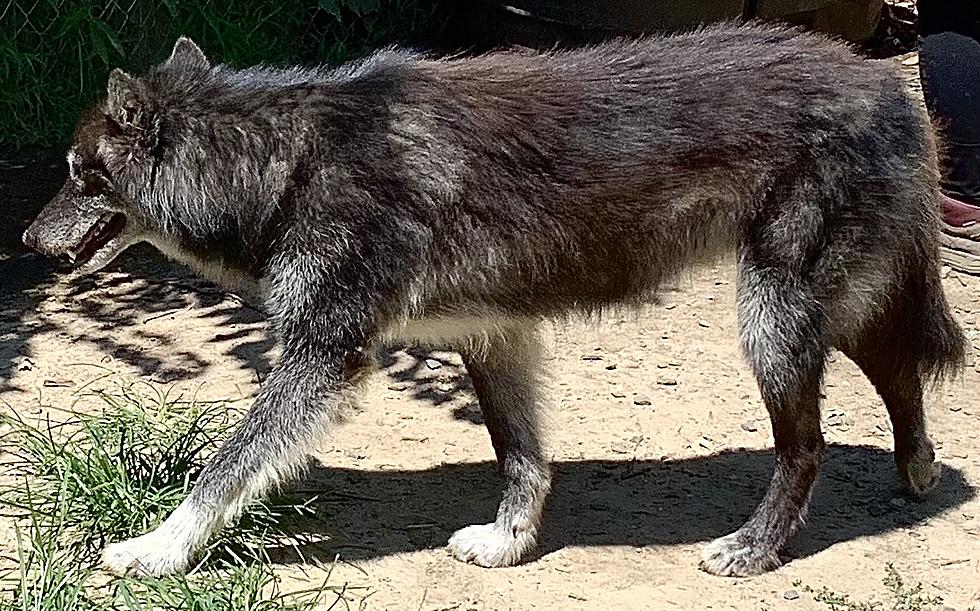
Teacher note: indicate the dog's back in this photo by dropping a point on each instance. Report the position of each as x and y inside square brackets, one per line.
[585, 177]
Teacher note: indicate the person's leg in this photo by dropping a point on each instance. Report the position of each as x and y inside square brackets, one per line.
[949, 63]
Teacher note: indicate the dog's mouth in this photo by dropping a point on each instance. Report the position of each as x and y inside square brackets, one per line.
[107, 227]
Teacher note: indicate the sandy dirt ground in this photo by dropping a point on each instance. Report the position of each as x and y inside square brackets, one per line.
[657, 434]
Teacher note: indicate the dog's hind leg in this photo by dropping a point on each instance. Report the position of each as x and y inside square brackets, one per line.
[912, 339]
[505, 374]
[901, 390]
[782, 329]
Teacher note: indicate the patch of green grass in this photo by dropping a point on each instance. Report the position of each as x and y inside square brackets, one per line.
[55, 55]
[901, 597]
[47, 578]
[94, 478]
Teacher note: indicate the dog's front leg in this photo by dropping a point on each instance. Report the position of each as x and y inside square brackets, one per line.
[505, 373]
[304, 394]
[293, 408]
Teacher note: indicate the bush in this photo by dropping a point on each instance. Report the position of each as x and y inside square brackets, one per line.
[55, 55]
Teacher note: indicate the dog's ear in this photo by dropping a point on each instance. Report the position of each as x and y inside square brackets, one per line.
[187, 54]
[125, 99]
[128, 107]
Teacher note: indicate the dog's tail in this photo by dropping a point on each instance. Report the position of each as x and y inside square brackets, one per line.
[934, 333]
[940, 340]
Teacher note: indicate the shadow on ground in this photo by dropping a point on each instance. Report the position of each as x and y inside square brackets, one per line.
[26, 184]
[620, 503]
[111, 311]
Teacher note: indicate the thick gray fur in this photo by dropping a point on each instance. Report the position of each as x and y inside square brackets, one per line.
[460, 201]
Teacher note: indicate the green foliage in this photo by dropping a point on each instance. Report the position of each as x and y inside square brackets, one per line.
[55, 55]
[901, 597]
[95, 478]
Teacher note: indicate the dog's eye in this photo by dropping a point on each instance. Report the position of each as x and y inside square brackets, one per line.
[130, 115]
[94, 183]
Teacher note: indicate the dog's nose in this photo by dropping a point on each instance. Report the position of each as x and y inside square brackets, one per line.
[31, 240]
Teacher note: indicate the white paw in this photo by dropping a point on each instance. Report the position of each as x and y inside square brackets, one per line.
[150, 554]
[731, 556]
[485, 545]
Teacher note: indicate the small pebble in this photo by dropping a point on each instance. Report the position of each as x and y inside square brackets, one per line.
[641, 400]
[399, 386]
[618, 394]
[898, 502]
[749, 427]
[433, 364]
[791, 594]
[58, 383]
[591, 357]
[704, 323]
[667, 382]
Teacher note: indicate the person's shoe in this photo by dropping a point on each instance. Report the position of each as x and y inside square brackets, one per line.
[960, 237]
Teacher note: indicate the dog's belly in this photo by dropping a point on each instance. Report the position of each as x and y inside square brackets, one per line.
[455, 331]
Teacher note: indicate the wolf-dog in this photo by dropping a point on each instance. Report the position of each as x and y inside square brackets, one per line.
[460, 201]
